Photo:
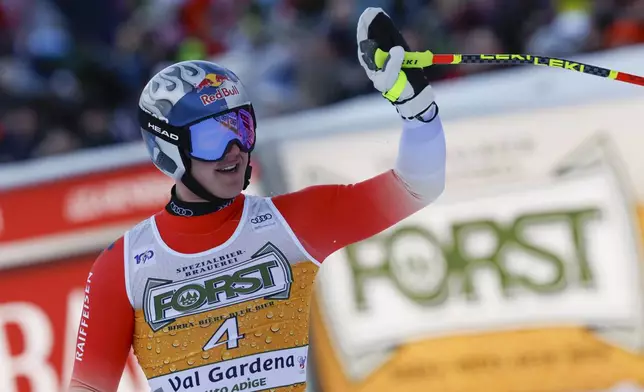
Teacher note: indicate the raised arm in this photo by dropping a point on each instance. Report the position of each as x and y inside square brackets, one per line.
[329, 217]
[106, 326]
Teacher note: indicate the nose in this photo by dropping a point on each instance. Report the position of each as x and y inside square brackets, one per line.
[233, 150]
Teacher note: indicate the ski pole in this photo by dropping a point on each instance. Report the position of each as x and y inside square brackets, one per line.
[427, 58]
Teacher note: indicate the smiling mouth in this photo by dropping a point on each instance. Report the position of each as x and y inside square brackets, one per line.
[232, 168]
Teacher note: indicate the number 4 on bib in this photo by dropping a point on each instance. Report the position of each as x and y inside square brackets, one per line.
[231, 329]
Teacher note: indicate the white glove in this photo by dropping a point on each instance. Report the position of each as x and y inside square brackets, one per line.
[408, 90]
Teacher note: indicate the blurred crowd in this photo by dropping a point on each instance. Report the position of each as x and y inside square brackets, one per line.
[71, 70]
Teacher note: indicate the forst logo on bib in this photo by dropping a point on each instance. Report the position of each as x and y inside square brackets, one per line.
[267, 275]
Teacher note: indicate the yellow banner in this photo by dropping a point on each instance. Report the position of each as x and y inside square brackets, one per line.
[546, 360]
[556, 357]
[525, 276]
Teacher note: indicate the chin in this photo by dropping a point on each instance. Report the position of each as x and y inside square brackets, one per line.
[233, 194]
[227, 189]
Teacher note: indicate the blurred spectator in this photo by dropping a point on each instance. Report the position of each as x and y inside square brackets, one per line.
[94, 127]
[71, 70]
[56, 141]
[627, 24]
[18, 133]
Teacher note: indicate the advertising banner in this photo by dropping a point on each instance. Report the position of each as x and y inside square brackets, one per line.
[40, 308]
[526, 275]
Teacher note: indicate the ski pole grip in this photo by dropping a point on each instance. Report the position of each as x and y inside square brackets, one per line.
[412, 59]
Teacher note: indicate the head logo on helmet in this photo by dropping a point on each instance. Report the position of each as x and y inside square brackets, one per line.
[163, 132]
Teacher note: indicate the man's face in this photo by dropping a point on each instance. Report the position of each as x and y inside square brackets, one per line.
[224, 178]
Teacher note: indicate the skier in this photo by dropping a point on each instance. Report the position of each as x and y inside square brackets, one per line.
[213, 292]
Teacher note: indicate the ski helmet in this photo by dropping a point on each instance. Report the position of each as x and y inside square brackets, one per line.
[195, 110]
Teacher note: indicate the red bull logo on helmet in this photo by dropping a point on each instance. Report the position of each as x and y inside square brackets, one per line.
[211, 80]
[222, 92]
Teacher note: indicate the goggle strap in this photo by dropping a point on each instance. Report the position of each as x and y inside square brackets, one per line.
[163, 130]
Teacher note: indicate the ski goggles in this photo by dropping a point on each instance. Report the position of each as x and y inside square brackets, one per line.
[209, 138]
